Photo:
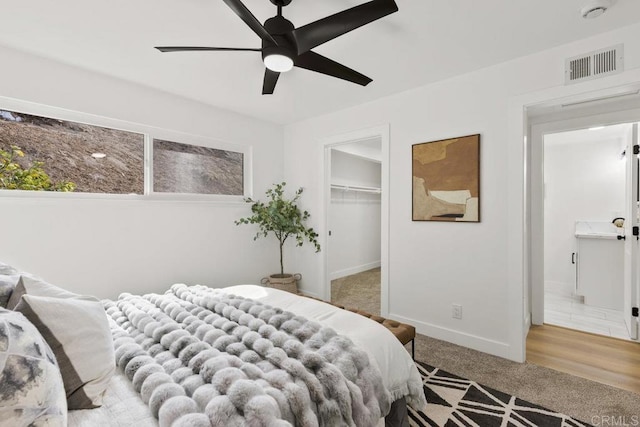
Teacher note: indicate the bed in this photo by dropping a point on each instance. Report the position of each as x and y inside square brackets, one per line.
[283, 359]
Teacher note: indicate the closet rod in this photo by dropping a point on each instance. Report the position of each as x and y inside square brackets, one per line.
[356, 188]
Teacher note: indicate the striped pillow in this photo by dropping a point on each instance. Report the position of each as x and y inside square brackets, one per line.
[77, 330]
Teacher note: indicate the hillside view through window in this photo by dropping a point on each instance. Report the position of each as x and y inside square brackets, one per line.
[42, 153]
[183, 168]
[95, 159]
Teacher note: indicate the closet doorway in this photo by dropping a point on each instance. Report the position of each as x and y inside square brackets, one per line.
[354, 225]
[356, 214]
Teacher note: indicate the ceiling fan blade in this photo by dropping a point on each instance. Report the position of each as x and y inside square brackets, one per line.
[245, 14]
[320, 64]
[316, 33]
[203, 48]
[270, 80]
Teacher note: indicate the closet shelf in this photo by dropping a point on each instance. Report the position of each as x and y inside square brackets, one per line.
[358, 188]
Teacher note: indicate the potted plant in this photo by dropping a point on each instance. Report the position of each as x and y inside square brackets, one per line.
[283, 218]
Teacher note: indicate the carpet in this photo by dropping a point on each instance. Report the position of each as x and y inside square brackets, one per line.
[454, 401]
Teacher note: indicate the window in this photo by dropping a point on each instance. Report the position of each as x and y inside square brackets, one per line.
[94, 159]
[182, 168]
[44, 153]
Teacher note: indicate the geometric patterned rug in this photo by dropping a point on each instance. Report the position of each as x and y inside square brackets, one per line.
[458, 402]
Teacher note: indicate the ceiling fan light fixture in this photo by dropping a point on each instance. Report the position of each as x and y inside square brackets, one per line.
[278, 62]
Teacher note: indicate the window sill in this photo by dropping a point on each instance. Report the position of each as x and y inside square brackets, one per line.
[154, 197]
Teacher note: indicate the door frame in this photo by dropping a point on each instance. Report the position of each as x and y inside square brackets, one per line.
[538, 132]
[518, 190]
[632, 285]
[382, 132]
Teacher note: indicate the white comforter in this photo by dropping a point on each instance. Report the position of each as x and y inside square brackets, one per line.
[397, 368]
[123, 406]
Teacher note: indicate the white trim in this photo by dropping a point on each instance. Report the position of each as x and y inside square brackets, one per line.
[518, 280]
[353, 270]
[383, 133]
[150, 133]
[527, 321]
[148, 164]
[247, 179]
[485, 345]
[516, 230]
[325, 279]
[218, 200]
[309, 294]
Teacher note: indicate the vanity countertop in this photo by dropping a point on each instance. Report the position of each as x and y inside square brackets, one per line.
[597, 230]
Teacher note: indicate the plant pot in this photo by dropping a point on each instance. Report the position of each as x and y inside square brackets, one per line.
[284, 282]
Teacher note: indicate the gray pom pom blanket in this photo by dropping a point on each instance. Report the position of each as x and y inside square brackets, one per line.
[199, 357]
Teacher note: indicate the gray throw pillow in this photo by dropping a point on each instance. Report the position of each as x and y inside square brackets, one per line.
[31, 388]
[7, 285]
[78, 332]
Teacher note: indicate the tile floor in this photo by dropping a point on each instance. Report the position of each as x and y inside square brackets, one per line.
[562, 308]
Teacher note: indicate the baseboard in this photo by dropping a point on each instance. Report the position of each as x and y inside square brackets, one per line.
[474, 342]
[309, 294]
[353, 270]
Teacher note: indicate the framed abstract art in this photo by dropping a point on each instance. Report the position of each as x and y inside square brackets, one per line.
[446, 180]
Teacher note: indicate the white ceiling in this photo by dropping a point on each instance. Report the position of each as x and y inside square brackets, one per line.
[426, 41]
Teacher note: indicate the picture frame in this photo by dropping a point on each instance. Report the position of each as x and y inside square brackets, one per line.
[446, 180]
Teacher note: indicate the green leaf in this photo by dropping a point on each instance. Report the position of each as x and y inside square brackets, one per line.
[14, 176]
[281, 217]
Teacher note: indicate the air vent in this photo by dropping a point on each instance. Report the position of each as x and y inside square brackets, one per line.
[593, 65]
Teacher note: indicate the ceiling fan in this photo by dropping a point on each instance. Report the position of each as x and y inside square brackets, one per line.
[284, 46]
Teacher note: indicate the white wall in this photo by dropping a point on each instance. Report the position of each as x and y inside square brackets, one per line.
[104, 246]
[584, 181]
[433, 264]
[349, 169]
[354, 245]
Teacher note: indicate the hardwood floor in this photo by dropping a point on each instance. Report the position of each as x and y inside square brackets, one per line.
[603, 359]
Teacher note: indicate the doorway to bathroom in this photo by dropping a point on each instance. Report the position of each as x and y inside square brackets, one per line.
[584, 208]
[585, 201]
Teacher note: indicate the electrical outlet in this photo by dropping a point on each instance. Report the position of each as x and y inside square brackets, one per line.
[456, 312]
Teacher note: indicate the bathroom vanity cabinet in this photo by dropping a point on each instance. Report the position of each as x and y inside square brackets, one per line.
[599, 265]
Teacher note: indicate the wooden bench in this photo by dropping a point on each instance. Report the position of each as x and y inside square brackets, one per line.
[404, 332]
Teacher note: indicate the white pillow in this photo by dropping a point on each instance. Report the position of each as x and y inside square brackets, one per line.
[78, 332]
[31, 388]
[30, 285]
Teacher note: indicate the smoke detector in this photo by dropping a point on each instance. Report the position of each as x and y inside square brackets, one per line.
[594, 8]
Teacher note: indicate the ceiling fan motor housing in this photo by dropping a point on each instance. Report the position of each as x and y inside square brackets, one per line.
[279, 28]
[281, 2]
